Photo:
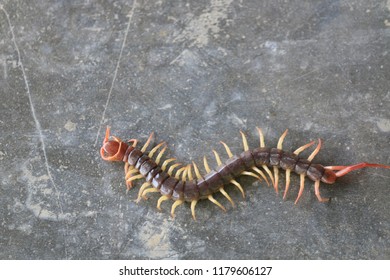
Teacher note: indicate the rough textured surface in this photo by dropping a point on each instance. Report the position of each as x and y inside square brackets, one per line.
[195, 72]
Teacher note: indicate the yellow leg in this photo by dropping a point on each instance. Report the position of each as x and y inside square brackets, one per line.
[301, 187]
[206, 165]
[197, 173]
[217, 158]
[237, 184]
[276, 182]
[151, 190]
[160, 154]
[244, 141]
[166, 162]
[248, 173]
[265, 167]
[261, 173]
[193, 204]
[160, 200]
[174, 205]
[288, 172]
[153, 151]
[178, 172]
[227, 149]
[280, 142]
[130, 172]
[170, 170]
[189, 173]
[225, 194]
[141, 190]
[261, 136]
[147, 143]
[131, 179]
[211, 198]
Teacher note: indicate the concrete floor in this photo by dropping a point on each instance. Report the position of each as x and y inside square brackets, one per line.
[195, 73]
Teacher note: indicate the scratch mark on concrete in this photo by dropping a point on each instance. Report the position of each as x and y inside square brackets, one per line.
[32, 108]
[130, 16]
[34, 115]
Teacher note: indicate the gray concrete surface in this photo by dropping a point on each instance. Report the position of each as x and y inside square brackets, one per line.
[195, 73]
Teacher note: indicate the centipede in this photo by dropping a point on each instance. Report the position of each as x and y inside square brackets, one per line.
[185, 183]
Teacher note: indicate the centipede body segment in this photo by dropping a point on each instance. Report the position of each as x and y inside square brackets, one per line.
[185, 183]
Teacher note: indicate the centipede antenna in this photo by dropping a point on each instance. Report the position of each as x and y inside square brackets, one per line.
[301, 187]
[261, 136]
[151, 153]
[147, 142]
[197, 173]
[280, 142]
[227, 149]
[346, 169]
[217, 158]
[193, 204]
[316, 150]
[244, 141]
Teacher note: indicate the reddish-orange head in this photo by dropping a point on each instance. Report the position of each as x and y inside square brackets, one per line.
[113, 149]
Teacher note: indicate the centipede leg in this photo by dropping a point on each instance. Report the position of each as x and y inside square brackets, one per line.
[225, 194]
[147, 143]
[193, 204]
[160, 200]
[238, 185]
[150, 190]
[213, 200]
[301, 187]
[261, 173]
[271, 176]
[276, 176]
[317, 192]
[141, 191]
[174, 205]
[288, 172]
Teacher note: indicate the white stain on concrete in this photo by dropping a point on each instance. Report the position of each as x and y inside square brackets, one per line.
[383, 124]
[199, 29]
[155, 239]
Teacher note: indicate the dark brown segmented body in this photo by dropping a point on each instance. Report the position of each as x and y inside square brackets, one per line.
[223, 174]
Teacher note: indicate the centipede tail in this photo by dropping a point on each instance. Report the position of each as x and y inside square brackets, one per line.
[187, 183]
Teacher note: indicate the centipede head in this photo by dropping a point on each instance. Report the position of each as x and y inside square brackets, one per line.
[113, 149]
